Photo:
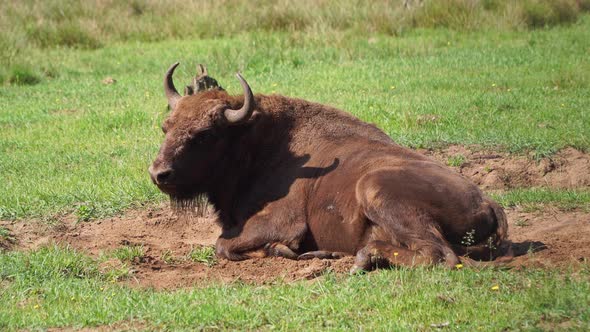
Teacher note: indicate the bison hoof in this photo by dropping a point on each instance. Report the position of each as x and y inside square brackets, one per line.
[321, 254]
[355, 269]
[279, 250]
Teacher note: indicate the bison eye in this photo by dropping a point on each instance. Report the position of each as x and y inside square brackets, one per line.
[204, 137]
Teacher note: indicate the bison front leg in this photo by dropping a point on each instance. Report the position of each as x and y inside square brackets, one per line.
[261, 237]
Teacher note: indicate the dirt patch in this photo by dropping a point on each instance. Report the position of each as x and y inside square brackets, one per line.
[167, 241]
[551, 237]
[563, 236]
[118, 326]
[568, 168]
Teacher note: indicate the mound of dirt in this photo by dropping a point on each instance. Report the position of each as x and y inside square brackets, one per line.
[568, 168]
[546, 238]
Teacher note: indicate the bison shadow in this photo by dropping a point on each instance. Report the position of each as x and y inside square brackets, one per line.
[281, 187]
[527, 247]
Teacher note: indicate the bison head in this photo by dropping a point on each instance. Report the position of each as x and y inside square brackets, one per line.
[198, 133]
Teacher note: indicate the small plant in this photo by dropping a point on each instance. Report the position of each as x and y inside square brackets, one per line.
[114, 270]
[204, 255]
[6, 235]
[456, 160]
[468, 238]
[491, 245]
[521, 223]
[86, 212]
[167, 257]
[531, 250]
[129, 253]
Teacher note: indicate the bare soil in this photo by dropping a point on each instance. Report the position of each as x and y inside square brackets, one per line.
[545, 238]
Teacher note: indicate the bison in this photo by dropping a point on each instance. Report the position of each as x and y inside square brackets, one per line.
[297, 179]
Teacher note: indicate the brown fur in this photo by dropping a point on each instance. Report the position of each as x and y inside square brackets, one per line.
[314, 178]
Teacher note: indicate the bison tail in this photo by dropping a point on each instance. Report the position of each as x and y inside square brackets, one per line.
[497, 246]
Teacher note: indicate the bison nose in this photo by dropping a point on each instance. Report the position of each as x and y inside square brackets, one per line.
[164, 176]
[161, 176]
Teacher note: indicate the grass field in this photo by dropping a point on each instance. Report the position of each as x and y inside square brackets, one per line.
[57, 287]
[72, 144]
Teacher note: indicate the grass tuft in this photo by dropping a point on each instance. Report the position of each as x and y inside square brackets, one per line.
[23, 75]
[205, 255]
[456, 160]
[543, 13]
[135, 253]
[536, 198]
[6, 238]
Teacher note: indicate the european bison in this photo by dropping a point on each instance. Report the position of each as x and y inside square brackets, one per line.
[297, 179]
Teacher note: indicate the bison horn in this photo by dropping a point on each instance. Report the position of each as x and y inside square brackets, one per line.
[169, 88]
[244, 113]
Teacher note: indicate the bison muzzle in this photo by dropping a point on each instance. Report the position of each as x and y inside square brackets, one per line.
[297, 179]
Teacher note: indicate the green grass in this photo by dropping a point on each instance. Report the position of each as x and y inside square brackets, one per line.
[126, 253]
[536, 198]
[456, 160]
[26, 26]
[205, 255]
[58, 287]
[72, 141]
[507, 75]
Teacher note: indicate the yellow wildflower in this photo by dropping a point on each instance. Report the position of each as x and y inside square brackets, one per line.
[395, 253]
[36, 306]
[458, 266]
[495, 287]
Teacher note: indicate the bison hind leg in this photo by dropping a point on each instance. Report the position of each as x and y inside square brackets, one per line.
[404, 235]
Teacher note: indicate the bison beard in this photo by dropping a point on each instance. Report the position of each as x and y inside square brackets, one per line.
[296, 179]
[193, 207]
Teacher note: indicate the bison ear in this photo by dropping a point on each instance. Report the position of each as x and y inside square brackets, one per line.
[203, 82]
[203, 70]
